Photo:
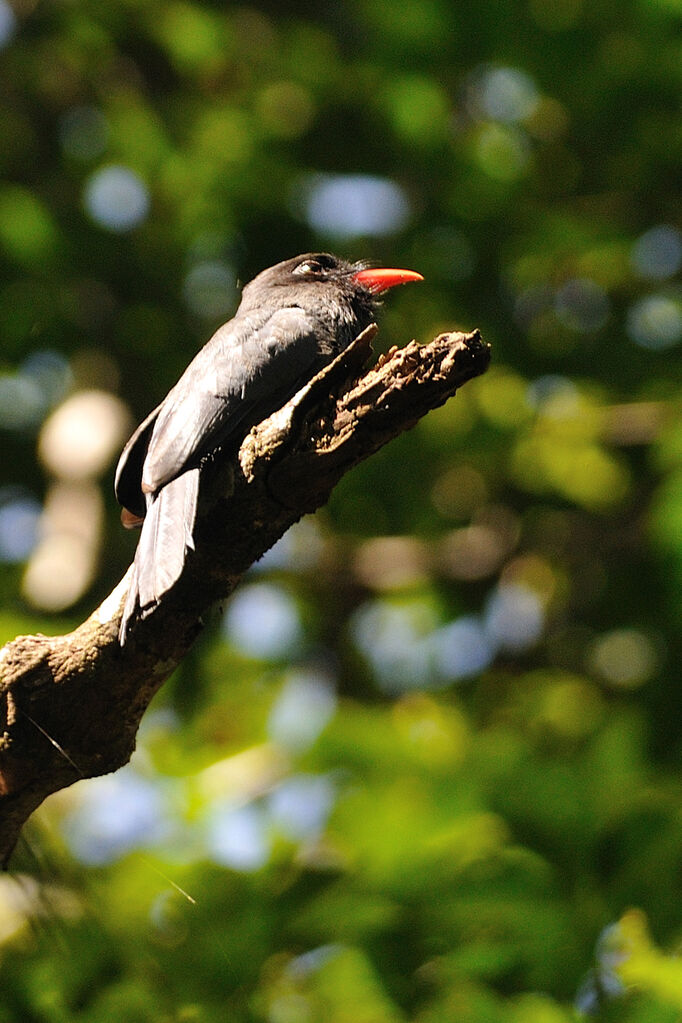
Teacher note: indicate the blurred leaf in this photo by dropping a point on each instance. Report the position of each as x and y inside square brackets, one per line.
[27, 232]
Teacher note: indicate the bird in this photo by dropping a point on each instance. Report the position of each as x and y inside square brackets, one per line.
[293, 318]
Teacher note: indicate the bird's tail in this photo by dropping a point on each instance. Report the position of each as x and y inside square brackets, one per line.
[167, 535]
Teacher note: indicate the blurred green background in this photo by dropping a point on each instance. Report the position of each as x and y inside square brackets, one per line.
[427, 766]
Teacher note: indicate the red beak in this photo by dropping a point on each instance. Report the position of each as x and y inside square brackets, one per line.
[377, 280]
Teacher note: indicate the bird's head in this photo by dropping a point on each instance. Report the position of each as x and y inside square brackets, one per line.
[343, 296]
[321, 275]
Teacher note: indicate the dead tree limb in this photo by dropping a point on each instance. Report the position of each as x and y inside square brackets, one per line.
[70, 705]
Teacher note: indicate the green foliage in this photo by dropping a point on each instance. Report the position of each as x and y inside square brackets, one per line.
[426, 767]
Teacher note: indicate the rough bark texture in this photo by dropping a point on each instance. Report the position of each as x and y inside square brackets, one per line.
[70, 705]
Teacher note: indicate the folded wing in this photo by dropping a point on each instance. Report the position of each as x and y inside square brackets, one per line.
[248, 369]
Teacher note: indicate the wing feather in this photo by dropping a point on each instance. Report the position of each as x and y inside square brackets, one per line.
[128, 478]
[245, 372]
[164, 541]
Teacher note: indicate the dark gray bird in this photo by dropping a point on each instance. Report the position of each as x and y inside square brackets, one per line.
[293, 318]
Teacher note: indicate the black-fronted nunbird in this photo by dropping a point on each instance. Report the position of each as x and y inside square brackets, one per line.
[293, 318]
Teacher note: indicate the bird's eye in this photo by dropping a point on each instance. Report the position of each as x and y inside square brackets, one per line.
[309, 267]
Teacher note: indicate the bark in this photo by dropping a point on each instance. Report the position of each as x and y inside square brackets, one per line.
[70, 705]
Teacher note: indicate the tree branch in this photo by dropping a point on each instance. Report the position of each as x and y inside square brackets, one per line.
[70, 705]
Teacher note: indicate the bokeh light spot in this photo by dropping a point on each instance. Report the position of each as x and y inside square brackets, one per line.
[568, 707]
[394, 640]
[238, 836]
[462, 649]
[556, 395]
[502, 152]
[582, 305]
[114, 815]
[19, 524]
[459, 491]
[64, 562]
[262, 621]
[305, 705]
[22, 403]
[299, 806]
[655, 322]
[657, 254]
[418, 108]
[502, 396]
[390, 562]
[116, 198]
[532, 304]
[514, 618]
[28, 233]
[625, 658]
[193, 36]
[353, 205]
[82, 436]
[506, 94]
[51, 372]
[210, 289]
[8, 23]
[298, 550]
[285, 108]
[473, 552]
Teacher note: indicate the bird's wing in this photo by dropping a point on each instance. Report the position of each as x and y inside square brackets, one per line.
[248, 369]
[165, 539]
[128, 479]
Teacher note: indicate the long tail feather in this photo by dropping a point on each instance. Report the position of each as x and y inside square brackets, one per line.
[167, 535]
